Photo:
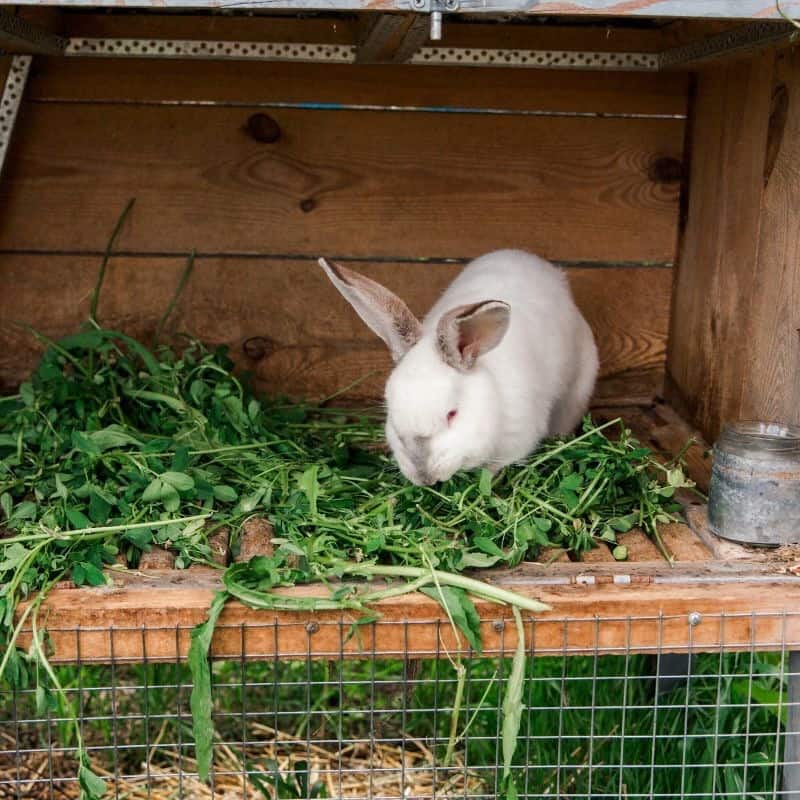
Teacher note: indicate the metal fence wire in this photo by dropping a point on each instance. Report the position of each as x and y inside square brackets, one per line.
[645, 724]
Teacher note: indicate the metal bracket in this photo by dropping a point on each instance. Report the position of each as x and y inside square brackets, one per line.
[23, 35]
[12, 97]
[347, 54]
[741, 39]
[436, 8]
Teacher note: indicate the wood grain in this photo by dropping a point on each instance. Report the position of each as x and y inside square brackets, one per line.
[345, 30]
[772, 366]
[141, 80]
[640, 546]
[734, 347]
[302, 337]
[599, 554]
[711, 326]
[236, 82]
[682, 543]
[342, 183]
[153, 616]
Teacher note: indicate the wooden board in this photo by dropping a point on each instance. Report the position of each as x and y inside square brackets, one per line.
[302, 336]
[354, 183]
[772, 367]
[734, 350]
[271, 83]
[709, 330]
[341, 29]
[229, 81]
[658, 427]
[153, 619]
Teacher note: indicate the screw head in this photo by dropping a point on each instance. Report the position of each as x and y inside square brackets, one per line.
[695, 618]
[499, 625]
[312, 627]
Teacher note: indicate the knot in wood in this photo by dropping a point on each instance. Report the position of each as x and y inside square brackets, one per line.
[257, 347]
[665, 169]
[263, 128]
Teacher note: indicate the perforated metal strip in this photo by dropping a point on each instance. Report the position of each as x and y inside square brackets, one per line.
[283, 51]
[9, 104]
[550, 59]
[188, 48]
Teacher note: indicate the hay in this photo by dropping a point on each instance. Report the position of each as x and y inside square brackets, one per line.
[357, 770]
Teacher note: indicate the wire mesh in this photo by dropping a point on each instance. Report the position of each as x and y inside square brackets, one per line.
[324, 724]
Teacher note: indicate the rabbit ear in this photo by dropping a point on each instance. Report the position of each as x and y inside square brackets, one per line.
[382, 310]
[466, 332]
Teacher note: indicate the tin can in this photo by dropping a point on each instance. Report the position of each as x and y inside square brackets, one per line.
[754, 494]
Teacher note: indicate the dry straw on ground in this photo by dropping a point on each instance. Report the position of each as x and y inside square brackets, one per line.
[357, 770]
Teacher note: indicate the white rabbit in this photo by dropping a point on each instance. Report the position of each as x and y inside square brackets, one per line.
[502, 360]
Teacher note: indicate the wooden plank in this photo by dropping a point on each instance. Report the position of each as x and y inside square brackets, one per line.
[553, 555]
[772, 390]
[285, 323]
[631, 387]
[342, 183]
[641, 547]
[345, 30]
[391, 37]
[157, 558]
[671, 434]
[597, 555]
[721, 272]
[722, 549]
[735, 9]
[255, 539]
[682, 543]
[541, 91]
[20, 35]
[154, 618]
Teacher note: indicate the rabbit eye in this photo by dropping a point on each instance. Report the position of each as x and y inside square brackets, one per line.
[451, 415]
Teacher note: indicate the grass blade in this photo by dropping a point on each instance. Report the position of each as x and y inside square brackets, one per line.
[200, 701]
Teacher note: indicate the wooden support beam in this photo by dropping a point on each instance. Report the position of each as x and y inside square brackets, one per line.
[734, 346]
[151, 618]
[391, 38]
[20, 35]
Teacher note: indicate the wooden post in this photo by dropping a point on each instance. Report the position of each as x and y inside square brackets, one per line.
[734, 347]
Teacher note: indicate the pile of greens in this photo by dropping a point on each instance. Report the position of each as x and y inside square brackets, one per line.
[110, 448]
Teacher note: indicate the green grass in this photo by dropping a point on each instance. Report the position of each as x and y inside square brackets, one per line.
[579, 710]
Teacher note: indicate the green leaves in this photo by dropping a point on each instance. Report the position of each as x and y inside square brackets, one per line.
[92, 786]
[85, 572]
[166, 488]
[309, 485]
[112, 436]
[200, 701]
[461, 611]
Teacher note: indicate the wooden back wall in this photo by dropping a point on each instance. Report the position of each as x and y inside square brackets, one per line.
[403, 172]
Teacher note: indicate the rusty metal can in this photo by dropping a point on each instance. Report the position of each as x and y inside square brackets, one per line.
[754, 494]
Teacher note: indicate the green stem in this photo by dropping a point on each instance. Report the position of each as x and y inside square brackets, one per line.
[478, 588]
[106, 257]
[569, 443]
[461, 672]
[60, 535]
[184, 279]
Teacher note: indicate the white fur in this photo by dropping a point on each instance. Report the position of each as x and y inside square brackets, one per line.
[535, 383]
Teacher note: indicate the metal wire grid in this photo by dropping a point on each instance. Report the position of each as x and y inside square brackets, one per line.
[594, 726]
